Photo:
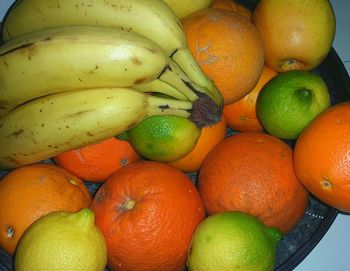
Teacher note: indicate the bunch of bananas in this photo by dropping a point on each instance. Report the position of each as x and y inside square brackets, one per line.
[73, 72]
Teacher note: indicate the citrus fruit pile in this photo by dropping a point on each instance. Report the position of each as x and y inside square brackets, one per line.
[249, 185]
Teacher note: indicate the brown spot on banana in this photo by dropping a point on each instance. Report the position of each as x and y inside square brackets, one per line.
[79, 113]
[151, 50]
[136, 61]
[140, 80]
[127, 29]
[164, 107]
[3, 105]
[93, 71]
[16, 133]
[12, 159]
[48, 38]
[5, 63]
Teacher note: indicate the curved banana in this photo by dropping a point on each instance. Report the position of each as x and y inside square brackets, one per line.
[67, 58]
[182, 8]
[160, 85]
[150, 18]
[47, 126]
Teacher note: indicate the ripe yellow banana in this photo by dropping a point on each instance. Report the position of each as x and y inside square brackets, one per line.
[150, 18]
[68, 58]
[49, 125]
[183, 8]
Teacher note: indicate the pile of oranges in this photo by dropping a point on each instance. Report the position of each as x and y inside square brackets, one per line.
[148, 210]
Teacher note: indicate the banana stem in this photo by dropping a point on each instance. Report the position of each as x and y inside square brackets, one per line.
[184, 59]
[202, 112]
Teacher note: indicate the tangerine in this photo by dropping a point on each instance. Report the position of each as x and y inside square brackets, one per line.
[241, 115]
[253, 174]
[147, 212]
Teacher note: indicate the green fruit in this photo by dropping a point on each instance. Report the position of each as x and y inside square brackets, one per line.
[164, 138]
[289, 101]
[62, 241]
[229, 241]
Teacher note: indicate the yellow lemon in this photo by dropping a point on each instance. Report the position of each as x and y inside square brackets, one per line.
[62, 241]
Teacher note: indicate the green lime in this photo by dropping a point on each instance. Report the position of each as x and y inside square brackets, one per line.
[289, 101]
[62, 241]
[233, 241]
[164, 138]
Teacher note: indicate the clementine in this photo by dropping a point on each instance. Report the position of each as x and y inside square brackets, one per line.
[29, 192]
[321, 156]
[253, 174]
[147, 212]
[210, 136]
[228, 48]
[232, 6]
[96, 162]
[241, 115]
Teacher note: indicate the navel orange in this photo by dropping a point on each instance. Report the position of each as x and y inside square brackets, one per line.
[253, 173]
[29, 192]
[241, 115]
[228, 48]
[321, 156]
[147, 212]
[232, 6]
[96, 162]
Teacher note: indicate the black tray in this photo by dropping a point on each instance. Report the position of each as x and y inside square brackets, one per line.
[318, 218]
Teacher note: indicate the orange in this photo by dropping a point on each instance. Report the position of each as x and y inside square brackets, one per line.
[241, 115]
[228, 48]
[232, 6]
[322, 156]
[148, 212]
[96, 162]
[29, 192]
[253, 173]
[210, 136]
[297, 34]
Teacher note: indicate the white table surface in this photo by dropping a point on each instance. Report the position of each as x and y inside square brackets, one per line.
[332, 253]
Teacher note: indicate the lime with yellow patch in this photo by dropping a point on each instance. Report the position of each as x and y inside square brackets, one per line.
[164, 138]
[233, 241]
[62, 241]
[289, 101]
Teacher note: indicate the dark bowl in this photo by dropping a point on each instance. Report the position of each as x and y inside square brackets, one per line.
[318, 217]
